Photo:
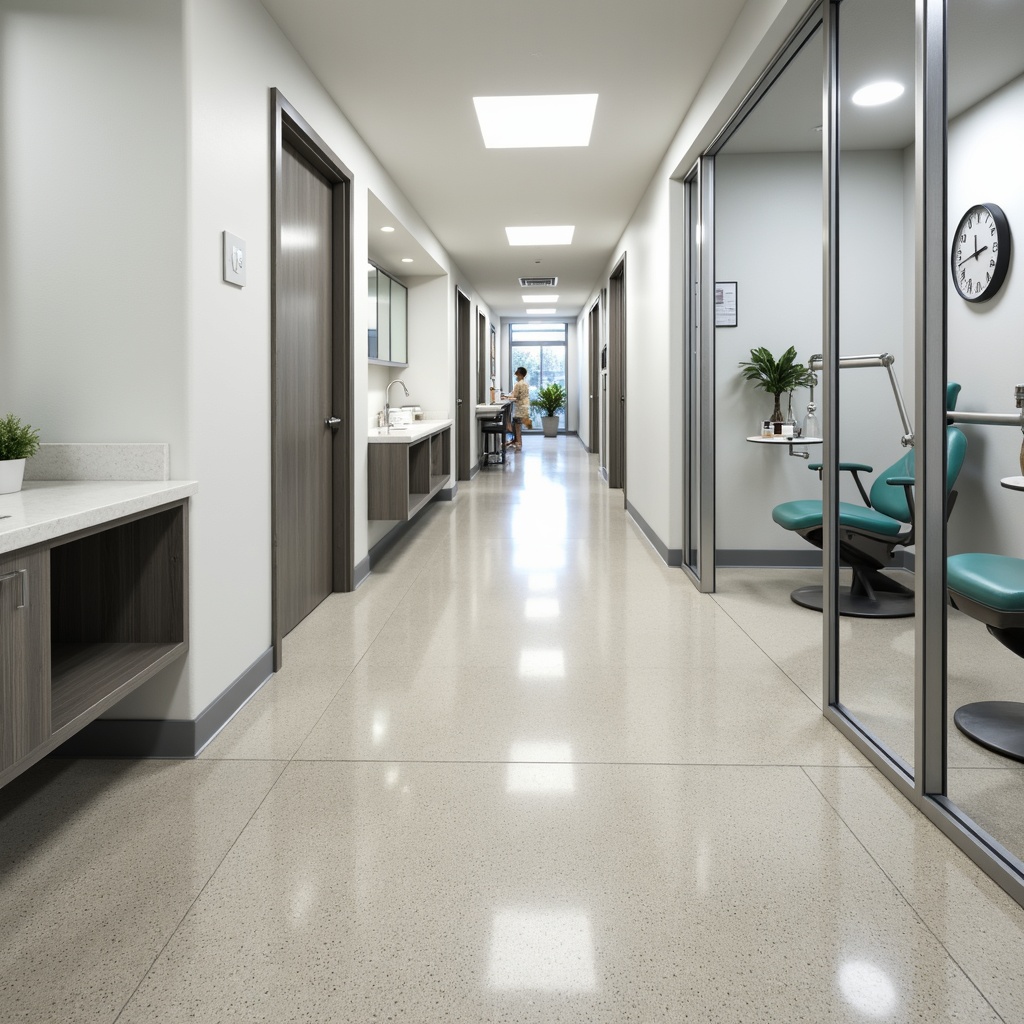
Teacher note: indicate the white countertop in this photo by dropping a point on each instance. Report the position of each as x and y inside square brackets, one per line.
[47, 509]
[416, 431]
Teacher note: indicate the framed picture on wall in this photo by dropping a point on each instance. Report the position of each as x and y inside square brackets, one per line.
[494, 354]
[725, 303]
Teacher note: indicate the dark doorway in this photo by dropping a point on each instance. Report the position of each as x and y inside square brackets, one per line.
[311, 353]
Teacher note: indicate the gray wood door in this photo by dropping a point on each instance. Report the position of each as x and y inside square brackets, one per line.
[616, 410]
[465, 412]
[24, 655]
[304, 392]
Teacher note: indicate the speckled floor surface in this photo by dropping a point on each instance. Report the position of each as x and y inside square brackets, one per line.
[525, 773]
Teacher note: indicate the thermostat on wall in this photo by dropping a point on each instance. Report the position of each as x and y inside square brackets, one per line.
[234, 259]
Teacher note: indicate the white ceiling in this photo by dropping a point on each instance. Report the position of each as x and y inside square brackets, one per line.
[405, 72]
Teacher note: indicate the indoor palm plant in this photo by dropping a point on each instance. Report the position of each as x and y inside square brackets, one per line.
[18, 442]
[776, 375]
[550, 399]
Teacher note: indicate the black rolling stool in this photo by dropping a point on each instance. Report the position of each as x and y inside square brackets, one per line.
[495, 430]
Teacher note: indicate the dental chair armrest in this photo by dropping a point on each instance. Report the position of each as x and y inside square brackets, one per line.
[849, 466]
[900, 481]
[853, 468]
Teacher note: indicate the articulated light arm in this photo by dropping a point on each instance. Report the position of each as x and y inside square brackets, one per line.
[886, 360]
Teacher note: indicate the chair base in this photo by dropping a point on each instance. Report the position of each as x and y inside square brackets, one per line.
[997, 725]
[871, 596]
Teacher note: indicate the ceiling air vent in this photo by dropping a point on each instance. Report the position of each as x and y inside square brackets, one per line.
[538, 282]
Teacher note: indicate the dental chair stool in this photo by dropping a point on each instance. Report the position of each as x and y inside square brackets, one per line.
[990, 588]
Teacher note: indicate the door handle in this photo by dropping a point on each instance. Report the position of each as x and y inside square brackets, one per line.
[458, 401]
[23, 573]
[333, 422]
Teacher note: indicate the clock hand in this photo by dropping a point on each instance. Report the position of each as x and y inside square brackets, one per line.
[973, 256]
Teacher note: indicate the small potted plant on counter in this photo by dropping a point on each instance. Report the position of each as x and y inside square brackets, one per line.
[550, 400]
[776, 376]
[18, 442]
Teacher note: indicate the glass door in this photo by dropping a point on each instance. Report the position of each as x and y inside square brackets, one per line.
[984, 700]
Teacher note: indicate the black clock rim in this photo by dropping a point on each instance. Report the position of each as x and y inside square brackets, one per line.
[1002, 258]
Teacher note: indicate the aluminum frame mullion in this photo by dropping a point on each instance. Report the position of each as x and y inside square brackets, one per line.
[830, 357]
[706, 362]
[930, 395]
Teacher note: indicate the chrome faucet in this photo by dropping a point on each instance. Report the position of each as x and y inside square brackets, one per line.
[387, 401]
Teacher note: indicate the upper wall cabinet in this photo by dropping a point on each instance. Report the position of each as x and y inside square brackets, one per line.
[388, 318]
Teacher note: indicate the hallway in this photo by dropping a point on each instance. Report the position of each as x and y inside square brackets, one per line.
[525, 773]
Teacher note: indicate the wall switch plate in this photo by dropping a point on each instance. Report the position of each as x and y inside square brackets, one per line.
[234, 259]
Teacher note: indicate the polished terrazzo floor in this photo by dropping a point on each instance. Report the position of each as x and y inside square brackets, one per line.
[525, 773]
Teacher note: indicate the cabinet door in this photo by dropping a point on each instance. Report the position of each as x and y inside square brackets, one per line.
[24, 655]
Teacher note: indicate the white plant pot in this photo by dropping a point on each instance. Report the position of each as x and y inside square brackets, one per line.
[550, 425]
[12, 472]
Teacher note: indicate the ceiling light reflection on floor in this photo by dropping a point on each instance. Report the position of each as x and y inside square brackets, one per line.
[867, 988]
[542, 951]
[542, 582]
[529, 556]
[540, 664]
[379, 729]
[536, 767]
[542, 608]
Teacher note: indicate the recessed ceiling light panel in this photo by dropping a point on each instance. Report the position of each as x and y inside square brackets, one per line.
[540, 298]
[407, 259]
[557, 234]
[535, 122]
[877, 93]
[387, 229]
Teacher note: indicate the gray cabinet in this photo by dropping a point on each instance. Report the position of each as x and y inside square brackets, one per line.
[84, 620]
[24, 655]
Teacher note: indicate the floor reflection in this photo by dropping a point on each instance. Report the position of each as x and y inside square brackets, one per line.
[542, 951]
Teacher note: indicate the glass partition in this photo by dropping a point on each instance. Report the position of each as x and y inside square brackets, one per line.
[984, 309]
[876, 318]
[767, 310]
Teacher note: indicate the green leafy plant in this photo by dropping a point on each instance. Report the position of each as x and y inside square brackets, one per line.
[17, 440]
[776, 376]
[550, 399]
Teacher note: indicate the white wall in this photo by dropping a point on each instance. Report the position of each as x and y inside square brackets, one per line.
[92, 237]
[986, 352]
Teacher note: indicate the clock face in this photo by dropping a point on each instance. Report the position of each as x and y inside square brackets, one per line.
[981, 252]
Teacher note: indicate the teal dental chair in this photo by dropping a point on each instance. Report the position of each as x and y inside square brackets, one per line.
[990, 588]
[869, 535]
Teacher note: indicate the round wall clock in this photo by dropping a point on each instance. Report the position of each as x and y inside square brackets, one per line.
[981, 252]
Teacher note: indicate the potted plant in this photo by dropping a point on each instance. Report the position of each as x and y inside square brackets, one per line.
[18, 442]
[776, 375]
[550, 399]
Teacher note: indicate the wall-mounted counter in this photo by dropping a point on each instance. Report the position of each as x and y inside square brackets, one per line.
[407, 467]
[93, 602]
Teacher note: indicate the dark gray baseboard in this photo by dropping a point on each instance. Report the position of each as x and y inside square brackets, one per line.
[740, 558]
[171, 738]
[361, 572]
[672, 557]
[768, 558]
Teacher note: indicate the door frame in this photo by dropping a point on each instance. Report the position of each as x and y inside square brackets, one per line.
[288, 126]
